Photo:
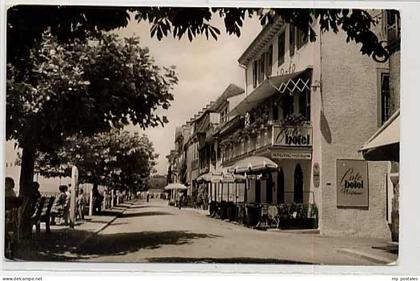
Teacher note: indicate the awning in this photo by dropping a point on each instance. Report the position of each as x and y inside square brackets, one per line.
[175, 186]
[232, 178]
[384, 145]
[272, 85]
[209, 177]
[253, 164]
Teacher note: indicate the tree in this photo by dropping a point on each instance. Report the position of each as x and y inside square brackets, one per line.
[117, 159]
[26, 23]
[81, 87]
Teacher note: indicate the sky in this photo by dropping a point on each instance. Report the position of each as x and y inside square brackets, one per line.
[204, 67]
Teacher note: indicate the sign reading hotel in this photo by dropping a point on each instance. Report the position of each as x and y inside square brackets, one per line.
[352, 183]
[292, 136]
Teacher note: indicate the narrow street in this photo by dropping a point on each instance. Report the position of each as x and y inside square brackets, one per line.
[156, 232]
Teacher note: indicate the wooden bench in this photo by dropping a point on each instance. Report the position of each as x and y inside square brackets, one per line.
[46, 213]
[36, 216]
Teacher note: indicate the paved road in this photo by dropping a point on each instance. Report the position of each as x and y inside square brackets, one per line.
[156, 232]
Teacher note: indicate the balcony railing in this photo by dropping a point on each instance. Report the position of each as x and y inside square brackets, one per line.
[270, 135]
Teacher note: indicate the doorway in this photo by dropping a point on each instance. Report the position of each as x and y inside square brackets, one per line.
[298, 185]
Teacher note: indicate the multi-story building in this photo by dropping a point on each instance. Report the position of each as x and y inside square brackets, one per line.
[384, 145]
[296, 131]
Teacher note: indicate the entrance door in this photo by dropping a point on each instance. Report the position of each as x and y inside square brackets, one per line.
[298, 185]
[280, 186]
[257, 191]
[269, 189]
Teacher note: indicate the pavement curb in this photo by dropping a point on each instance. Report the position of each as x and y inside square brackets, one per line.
[99, 229]
[366, 256]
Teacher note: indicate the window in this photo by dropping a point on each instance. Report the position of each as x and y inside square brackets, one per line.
[302, 38]
[305, 104]
[261, 69]
[255, 74]
[287, 104]
[292, 39]
[275, 111]
[393, 26]
[385, 98]
[281, 48]
[269, 61]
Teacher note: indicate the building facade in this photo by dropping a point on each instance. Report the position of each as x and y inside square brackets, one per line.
[296, 131]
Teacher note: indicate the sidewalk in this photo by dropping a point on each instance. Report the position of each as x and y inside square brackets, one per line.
[63, 242]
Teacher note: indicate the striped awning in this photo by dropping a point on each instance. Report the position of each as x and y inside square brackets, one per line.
[287, 83]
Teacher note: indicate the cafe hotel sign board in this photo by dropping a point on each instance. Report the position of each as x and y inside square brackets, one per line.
[292, 136]
[352, 183]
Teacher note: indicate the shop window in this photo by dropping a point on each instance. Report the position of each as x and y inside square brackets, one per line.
[298, 185]
[292, 39]
[280, 186]
[302, 38]
[281, 48]
[269, 189]
[385, 98]
[257, 191]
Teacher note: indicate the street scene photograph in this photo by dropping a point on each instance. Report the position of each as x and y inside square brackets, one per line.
[202, 135]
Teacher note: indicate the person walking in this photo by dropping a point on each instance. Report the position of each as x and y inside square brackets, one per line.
[181, 199]
[81, 205]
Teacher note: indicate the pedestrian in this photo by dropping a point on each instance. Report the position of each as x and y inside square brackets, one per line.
[81, 205]
[36, 195]
[10, 185]
[60, 205]
[147, 197]
[181, 199]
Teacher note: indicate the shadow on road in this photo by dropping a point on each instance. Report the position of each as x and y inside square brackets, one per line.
[145, 214]
[65, 245]
[246, 260]
[123, 243]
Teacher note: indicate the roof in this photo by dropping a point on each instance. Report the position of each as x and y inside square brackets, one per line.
[231, 91]
[260, 42]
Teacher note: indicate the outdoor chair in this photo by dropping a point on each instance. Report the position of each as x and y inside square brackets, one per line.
[36, 216]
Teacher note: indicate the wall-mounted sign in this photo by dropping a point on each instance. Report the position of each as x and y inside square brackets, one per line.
[292, 136]
[352, 183]
[316, 174]
[291, 155]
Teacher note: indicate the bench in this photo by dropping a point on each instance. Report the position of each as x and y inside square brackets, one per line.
[46, 213]
[36, 216]
[42, 213]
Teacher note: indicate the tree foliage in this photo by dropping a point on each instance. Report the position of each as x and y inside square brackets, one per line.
[26, 23]
[117, 159]
[84, 87]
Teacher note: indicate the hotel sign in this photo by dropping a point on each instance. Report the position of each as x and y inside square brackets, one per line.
[292, 136]
[352, 183]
